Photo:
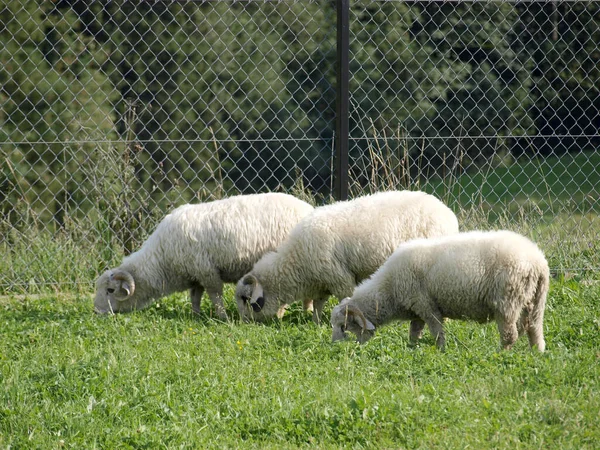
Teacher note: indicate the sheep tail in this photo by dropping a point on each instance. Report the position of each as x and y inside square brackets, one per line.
[539, 299]
[535, 330]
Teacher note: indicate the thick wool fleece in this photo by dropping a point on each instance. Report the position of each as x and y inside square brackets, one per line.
[201, 247]
[336, 246]
[481, 276]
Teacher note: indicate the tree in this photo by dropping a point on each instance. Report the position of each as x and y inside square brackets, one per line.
[561, 41]
[441, 78]
[53, 92]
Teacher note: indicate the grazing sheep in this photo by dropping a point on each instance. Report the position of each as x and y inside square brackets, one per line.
[335, 247]
[482, 276]
[200, 247]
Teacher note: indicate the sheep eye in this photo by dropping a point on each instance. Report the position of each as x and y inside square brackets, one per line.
[110, 290]
[343, 328]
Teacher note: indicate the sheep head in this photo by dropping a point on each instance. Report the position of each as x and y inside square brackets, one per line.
[115, 291]
[347, 317]
[252, 303]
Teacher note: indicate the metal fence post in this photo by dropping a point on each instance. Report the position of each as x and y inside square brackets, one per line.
[340, 172]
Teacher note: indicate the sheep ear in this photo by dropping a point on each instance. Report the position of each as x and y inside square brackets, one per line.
[344, 301]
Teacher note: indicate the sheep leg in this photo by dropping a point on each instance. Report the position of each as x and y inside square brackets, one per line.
[216, 297]
[536, 337]
[428, 312]
[416, 330]
[281, 311]
[530, 323]
[318, 309]
[508, 332]
[196, 296]
[437, 330]
[307, 303]
[535, 329]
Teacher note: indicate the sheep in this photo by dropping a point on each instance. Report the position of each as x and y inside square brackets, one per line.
[482, 276]
[200, 247]
[335, 247]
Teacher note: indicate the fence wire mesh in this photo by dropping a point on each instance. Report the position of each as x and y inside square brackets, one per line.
[114, 112]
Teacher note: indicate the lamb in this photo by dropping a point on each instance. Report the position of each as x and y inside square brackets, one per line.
[335, 247]
[482, 276]
[200, 247]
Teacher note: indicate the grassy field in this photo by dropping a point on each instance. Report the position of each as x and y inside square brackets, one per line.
[546, 186]
[161, 378]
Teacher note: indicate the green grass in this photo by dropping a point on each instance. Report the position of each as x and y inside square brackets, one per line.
[161, 378]
[550, 186]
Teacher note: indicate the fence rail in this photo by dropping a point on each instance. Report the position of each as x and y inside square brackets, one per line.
[112, 113]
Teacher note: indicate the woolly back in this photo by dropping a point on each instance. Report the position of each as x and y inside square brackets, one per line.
[474, 256]
[361, 234]
[232, 233]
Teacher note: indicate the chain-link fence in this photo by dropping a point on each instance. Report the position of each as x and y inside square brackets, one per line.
[113, 112]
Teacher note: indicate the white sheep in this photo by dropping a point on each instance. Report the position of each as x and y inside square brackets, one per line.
[200, 247]
[335, 247]
[482, 276]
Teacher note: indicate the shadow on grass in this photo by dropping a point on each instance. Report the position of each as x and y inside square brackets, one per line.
[170, 309]
[47, 310]
[51, 309]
